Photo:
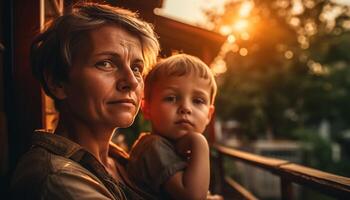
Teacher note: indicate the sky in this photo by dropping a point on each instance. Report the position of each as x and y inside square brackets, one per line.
[346, 2]
[190, 11]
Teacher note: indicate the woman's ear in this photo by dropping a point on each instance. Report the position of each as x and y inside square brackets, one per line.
[56, 88]
[145, 109]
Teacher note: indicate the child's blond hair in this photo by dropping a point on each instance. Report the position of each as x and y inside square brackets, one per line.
[180, 65]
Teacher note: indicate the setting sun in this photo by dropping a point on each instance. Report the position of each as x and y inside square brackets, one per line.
[241, 25]
[241, 22]
[246, 8]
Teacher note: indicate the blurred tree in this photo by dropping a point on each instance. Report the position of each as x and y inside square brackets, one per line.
[287, 64]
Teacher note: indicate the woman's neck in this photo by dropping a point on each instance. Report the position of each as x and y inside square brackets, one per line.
[94, 140]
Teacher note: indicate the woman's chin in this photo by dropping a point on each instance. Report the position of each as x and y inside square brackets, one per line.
[125, 121]
[125, 126]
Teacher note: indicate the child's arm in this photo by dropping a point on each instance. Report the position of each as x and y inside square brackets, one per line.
[193, 182]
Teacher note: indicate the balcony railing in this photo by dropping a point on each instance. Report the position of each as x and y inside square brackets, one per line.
[288, 172]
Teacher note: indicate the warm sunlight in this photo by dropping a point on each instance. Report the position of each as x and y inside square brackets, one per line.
[246, 8]
[190, 11]
[225, 30]
[254, 96]
[297, 7]
[219, 66]
[244, 12]
[241, 25]
[231, 39]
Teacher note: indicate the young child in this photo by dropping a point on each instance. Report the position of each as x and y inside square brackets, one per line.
[173, 161]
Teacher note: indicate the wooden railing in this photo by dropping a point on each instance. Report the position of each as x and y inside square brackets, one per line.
[288, 172]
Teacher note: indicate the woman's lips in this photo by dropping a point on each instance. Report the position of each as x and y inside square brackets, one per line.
[122, 101]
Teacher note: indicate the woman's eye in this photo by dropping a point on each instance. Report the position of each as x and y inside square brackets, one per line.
[105, 65]
[137, 69]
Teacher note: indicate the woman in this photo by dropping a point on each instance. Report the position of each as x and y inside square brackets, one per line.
[91, 62]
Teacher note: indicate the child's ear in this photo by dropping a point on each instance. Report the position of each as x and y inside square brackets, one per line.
[56, 89]
[145, 109]
[211, 112]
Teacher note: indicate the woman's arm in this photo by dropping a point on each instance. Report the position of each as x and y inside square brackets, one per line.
[193, 182]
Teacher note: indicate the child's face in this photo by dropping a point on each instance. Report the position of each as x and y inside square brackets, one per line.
[179, 105]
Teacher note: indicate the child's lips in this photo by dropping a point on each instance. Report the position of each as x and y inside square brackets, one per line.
[184, 122]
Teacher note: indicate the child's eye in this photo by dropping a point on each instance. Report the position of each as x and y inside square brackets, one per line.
[199, 101]
[170, 98]
[105, 65]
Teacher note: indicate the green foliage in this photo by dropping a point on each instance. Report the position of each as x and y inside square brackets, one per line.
[296, 71]
[318, 152]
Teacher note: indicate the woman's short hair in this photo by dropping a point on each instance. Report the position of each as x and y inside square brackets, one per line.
[179, 65]
[52, 51]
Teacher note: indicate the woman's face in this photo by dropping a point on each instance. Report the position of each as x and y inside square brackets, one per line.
[105, 84]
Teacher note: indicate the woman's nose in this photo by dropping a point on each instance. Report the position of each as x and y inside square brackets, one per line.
[128, 81]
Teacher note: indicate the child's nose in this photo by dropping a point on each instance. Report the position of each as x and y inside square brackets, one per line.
[185, 109]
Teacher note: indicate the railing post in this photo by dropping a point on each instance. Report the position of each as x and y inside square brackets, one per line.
[286, 189]
[221, 172]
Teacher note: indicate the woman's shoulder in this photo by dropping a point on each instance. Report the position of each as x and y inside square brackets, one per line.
[48, 155]
[32, 168]
[41, 173]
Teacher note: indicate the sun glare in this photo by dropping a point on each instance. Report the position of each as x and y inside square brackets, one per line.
[225, 30]
[219, 66]
[245, 36]
[241, 25]
[246, 8]
[231, 39]
[243, 52]
[297, 7]
[288, 54]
